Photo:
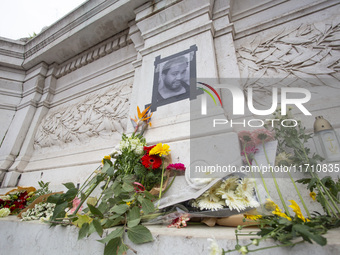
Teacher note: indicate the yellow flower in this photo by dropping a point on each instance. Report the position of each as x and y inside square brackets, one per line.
[252, 217]
[281, 214]
[297, 210]
[106, 157]
[160, 149]
[312, 195]
[270, 205]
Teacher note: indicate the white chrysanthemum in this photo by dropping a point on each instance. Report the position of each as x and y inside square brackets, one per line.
[246, 186]
[229, 184]
[233, 201]
[212, 194]
[5, 198]
[193, 203]
[4, 212]
[204, 203]
[123, 145]
[134, 142]
[139, 149]
[214, 248]
[249, 200]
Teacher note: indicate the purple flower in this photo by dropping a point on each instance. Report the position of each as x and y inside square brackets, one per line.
[177, 166]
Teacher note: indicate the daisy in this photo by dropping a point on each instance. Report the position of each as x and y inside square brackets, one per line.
[246, 187]
[160, 149]
[229, 184]
[204, 203]
[233, 201]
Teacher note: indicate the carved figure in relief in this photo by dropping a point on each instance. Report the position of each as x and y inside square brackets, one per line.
[96, 115]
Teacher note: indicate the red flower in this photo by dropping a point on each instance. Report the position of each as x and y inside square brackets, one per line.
[152, 161]
[147, 149]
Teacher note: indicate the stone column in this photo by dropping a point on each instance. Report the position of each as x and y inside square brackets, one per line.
[32, 90]
[42, 108]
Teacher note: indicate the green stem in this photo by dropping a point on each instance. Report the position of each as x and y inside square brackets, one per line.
[172, 181]
[299, 194]
[264, 183]
[160, 191]
[322, 185]
[275, 246]
[275, 182]
[82, 201]
[102, 193]
[253, 175]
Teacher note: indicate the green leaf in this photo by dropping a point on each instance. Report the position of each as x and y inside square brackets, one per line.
[110, 171]
[54, 199]
[120, 209]
[112, 246]
[69, 185]
[98, 227]
[127, 187]
[70, 194]
[106, 166]
[139, 234]
[83, 231]
[133, 217]
[114, 222]
[147, 206]
[118, 232]
[122, 249]
[306, 234]
[95, 211]
[59, 210]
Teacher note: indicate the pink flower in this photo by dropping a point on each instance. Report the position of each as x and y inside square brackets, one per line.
[250, 152]
[244, 136]
[177, 166]
[75, 203]
[262, 135]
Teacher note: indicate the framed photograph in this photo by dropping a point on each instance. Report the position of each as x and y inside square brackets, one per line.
[174, 78]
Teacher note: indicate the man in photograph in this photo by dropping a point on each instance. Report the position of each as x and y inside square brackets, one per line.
[172, 79]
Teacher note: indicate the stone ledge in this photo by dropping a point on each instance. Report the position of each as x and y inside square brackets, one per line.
[38, 238]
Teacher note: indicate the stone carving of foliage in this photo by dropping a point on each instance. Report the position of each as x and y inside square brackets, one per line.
[306, 53]
[96, 115]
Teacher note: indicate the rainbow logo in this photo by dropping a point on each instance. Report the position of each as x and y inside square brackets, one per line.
[204, 100]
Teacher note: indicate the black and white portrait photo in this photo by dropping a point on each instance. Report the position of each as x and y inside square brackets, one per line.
[173, 77]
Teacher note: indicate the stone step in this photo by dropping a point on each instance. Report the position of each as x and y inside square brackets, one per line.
[37, 238]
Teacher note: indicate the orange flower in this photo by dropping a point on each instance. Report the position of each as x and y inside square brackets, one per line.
[142, 116]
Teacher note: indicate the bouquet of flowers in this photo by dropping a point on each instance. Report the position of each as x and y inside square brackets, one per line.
[130, 178]
[279, 224]
[17, 199]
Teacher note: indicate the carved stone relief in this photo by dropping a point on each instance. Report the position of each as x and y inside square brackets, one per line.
[96, 115]
[306, 53]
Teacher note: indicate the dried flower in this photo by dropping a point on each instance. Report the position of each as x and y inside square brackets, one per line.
[180, 221]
